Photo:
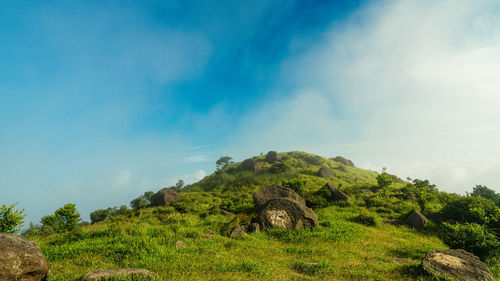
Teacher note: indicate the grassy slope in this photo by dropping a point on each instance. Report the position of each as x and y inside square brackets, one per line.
[338, 249]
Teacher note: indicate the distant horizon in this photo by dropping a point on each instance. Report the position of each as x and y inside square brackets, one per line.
[101, 102]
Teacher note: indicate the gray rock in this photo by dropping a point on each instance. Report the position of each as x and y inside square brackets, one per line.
[21, 259]
[253, 227]
[237, 231]
[365, 191]
[250, 165]
[343, 160]
[273, 156]
[457, 264]
[227, 213]
[416, 219]
[273, 192]
[286, 213]
[165, 197]
[336, 194]
[117, 273]
[180, 244]
[325, 172]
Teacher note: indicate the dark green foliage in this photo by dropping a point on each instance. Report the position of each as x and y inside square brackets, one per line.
[64, 219]
[426, 194]
[99, 215]
[295, 185]
[483, 191]
[367, 218]
[472, 210]
[223, 162]
[279, 167]
[471, 237]
[384, 180]
[11, 221]
[142, 201]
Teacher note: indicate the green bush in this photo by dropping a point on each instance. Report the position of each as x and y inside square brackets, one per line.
[295, 185]
[367, 218]
[472, 210]
[11, 221]
[99, 215]
[471, 237]
[279, 167]
[142, 201]
[64, 219]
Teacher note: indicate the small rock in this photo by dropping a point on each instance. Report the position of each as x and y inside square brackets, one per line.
[273, 156]
[180, 244]
[416, 219]
[209, 233]
[457, 264]
[117, 273]
[335, 194]
[365, 191]
[21, 259]
[250, 165]
[237, 231]
[227, 213]
[253, 227]
[326, 172]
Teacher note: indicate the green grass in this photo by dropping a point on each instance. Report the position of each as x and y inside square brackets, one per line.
[350, 243]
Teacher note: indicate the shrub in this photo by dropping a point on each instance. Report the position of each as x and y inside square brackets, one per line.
[64, 219]
[472, 210]
[471, 237]
[11, 221]
[483, 191]
[99, 215]
[295, 185]
[367, 218]
[279, 167]
[384, 180]
[142, 201]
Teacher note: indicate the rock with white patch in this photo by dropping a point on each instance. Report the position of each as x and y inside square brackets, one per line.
[286, 213]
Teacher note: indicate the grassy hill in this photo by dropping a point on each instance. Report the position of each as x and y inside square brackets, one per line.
[352, 241]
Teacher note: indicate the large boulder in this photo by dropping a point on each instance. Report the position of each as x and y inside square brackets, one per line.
[250, 165]
[114, 273]
[165, 197]
[343, 160]
[286, 213]
[457, 264]
[21, 259]
[273, 156]
[336, 194]
[273, 192]
[325, 172]
[416, 219]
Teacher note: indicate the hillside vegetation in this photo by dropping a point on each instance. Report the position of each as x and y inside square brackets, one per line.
[357, 240]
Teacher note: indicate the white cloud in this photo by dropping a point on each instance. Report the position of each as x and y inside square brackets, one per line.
[411, 85]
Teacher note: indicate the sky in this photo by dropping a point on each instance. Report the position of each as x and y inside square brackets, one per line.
[101, 101]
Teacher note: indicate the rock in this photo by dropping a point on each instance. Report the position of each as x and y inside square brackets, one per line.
[343, 160]
[365, 191]
[286, 213]
[253, 227]
[250, 165]
[21, 259]
[401, 260]
[237, 231]
[325, 172]
[457, 264]
[180, 244]
[416, 219]
[117, 273]
[273, 192]
[273, 156]
[165, 197]
[227, 213]
[335, 194]
[209, 233]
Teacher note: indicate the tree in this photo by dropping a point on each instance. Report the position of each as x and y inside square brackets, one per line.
[64, 219]
[384, 180]
[142, 201]
[11, 221]
[99, 215]
[223, 162]
[179, 184]
[485, 192]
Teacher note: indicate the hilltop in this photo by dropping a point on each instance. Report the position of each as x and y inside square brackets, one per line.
[360, 239]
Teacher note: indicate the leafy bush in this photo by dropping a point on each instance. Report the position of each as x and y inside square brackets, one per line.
[471, 237]
[295, 185]
[142, 201]
[99, 215]
[483, 191]
[367, 218]
[11, 221]
[384, 180]
[64, 219]
[472, 209]
[279, 167]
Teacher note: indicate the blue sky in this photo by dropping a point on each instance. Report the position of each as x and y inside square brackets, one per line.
[103, 100]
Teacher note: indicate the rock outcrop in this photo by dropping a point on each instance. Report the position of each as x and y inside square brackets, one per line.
[326, 172]
[343, 160]
[250, 165]
[336, 194]
[457, 264]
[273, 156]
[21, 259]
[237, 231]
[165, 197]
[416, 219]
[107, 274]
[273, 192]
[286, 213]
